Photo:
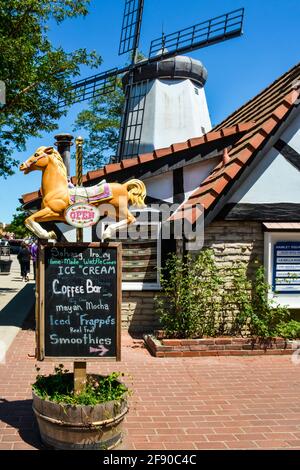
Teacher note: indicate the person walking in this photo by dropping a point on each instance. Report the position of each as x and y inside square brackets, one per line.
[24, 260]
[34, 252]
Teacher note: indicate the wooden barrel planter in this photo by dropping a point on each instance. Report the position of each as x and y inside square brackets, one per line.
[81, 427]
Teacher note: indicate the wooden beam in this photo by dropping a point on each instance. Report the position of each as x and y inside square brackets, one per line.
[291, 155]
[178, 186]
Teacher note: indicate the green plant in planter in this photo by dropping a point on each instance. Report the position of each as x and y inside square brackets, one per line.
[190, 299]
[290, 329]
[89, 420]
[201, 298]
[265, 315]
[59, 388]
[173, 304]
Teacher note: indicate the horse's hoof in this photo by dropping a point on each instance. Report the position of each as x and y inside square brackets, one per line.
[52, 235]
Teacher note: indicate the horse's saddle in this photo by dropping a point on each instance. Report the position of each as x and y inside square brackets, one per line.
[90, 194]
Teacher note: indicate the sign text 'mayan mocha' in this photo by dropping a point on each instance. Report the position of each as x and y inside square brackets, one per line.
[80, 301]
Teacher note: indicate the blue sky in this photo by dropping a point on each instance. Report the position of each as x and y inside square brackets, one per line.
[238, 69]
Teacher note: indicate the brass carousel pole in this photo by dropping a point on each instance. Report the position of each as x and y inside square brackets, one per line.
[79, 144]
[79, 366]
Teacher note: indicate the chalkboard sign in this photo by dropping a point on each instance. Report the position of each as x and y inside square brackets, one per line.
[79, 299]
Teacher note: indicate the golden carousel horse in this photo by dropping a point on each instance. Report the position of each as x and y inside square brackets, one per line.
[58, 196]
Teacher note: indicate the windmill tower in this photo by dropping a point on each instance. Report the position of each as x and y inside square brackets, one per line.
[166, 104]
[165, 99]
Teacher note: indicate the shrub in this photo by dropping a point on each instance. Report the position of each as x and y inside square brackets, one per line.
[188, 304]
[200, 298]
[173, 304]
[240, 300]
[265, 315]
[59, 388]
[290, 329]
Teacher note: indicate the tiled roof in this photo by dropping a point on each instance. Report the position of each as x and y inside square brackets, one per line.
[214, 135]
[268, 110]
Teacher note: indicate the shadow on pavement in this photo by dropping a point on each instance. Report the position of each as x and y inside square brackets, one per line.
[19, 415]
[8, 290]
[18, 309]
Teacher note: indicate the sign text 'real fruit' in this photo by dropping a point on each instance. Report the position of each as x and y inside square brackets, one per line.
[82, 215]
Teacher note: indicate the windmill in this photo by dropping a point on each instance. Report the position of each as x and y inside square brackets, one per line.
[206, 33]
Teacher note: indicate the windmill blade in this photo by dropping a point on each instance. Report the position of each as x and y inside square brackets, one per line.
[88, 88]
[131, 26]
[203, 34]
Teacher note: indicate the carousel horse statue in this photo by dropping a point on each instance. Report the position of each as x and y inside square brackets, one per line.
[58, 195]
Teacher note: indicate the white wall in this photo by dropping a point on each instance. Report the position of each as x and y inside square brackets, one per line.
[274, 179]
[194, 174]
[160, 187]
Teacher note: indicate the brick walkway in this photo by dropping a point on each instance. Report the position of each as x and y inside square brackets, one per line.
[178, 403]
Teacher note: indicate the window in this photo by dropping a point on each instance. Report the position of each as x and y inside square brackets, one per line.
[141, 250]
[142, 259]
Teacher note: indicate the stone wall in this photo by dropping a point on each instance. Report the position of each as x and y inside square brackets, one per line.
[231, 242]
[236, 241]
[138, 311]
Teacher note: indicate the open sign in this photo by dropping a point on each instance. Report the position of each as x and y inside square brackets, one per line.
[82, 215]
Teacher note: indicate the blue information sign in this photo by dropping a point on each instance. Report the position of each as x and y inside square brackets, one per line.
[286, 268]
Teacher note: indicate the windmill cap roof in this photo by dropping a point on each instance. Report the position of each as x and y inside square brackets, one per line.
[175, 67]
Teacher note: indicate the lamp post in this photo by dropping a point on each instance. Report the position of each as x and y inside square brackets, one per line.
[79, 366]
[79, 145]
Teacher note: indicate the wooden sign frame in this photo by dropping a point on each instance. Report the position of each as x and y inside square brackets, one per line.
[40, 303]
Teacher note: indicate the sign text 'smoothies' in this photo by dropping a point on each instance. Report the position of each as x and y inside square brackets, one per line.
[79, 308]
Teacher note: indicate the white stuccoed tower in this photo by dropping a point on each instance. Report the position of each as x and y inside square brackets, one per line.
[167, 104]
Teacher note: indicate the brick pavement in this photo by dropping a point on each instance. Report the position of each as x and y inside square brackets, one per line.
[178, 403]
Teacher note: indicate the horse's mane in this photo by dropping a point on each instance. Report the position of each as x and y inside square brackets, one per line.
[55, 156]
[59, 161]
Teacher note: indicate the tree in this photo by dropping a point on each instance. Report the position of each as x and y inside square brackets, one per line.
[35, 72]
[17, 225]
[102, 122]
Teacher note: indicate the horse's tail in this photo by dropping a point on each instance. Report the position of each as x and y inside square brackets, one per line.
[136, 192]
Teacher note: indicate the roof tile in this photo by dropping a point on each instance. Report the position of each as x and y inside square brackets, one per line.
[111, 168]
[127, 163]
[206, 200]
[232, 169]
[281, 111]
[94, 174]
[178, 147]
[162, 152]
[146, 157]
[31, 196]
[256, 141]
